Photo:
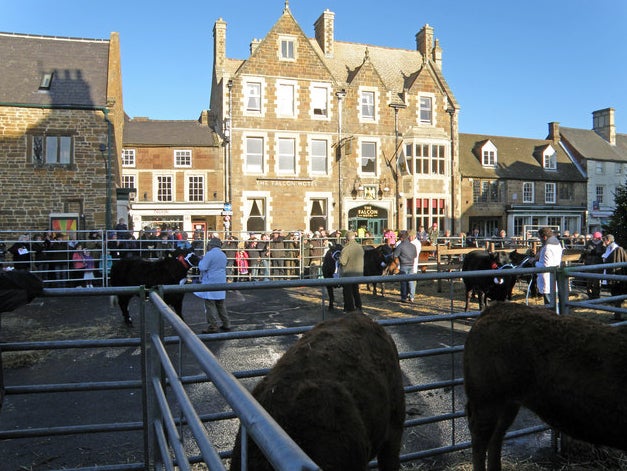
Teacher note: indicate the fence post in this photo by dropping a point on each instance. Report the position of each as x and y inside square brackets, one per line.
[562, 291]
[150, 324]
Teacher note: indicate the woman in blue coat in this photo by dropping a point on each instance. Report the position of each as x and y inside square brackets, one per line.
[213, 271]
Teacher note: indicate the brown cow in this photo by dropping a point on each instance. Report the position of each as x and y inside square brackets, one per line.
[338, 392]
[569, 371]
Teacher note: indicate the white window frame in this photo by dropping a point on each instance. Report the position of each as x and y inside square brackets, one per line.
[129, 180]
[256, 169]
[286, 155]
[320, 100]
[128, 158]
[528, 193]
[286, 98]
[549, 159]
[310, 197]
[550, 193]
[489, 155]
[182, 158]
[318, 143]
[188, 187]
[157, 186]
[599, 167]
[366, 95]
[599, 194]
[287, 48]
[253, 90]
[247, 199]
[376, 144]
[426, 113]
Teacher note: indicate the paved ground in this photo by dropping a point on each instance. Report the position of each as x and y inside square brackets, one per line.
[91, 317]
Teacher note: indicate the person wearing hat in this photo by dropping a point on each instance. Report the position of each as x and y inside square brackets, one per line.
[351, 264]
[592, 256]
[213, 270]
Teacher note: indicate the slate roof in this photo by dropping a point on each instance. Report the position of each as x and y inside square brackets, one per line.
[149, 132]
[516, 159]
[80, 68]
[592, 146]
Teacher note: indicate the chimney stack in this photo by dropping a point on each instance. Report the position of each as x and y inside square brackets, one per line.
[219, 48]
[323, 27]
[424, 41]
[554, 131]
[603, 124]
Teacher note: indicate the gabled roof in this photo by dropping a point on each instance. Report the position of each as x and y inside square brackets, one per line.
[148, 132]
[398, 68]
[592, 146]
[80, 68]
[516, 159]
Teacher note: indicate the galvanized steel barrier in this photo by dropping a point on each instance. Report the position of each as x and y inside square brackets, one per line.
[166, 436]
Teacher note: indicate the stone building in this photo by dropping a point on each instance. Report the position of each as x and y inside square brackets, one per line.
[324, 133]
[175, 174]
[514, 183]
[602, 154]
[61, 117]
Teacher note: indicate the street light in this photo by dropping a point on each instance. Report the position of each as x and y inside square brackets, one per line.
[340, 94]
[451, 112]
[396, 107]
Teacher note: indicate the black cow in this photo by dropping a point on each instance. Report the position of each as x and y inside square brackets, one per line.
[17, 287]
[338, 392]
[495, 288]
[376, 263]
[169, 270]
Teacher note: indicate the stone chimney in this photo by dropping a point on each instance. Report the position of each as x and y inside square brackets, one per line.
[253, 45]
[323, 27]
[603, 124]
[554, 132]
[424, 41]
[437, 54]
[219, 47]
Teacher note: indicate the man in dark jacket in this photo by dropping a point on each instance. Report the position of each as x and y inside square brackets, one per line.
[592, 256]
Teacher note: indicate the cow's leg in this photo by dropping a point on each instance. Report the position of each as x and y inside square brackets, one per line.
[123, 302]
[331, 297]
[506, 418]
[468, 296]
[483, 421]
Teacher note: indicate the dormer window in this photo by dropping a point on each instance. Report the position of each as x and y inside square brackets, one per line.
[46, 81]
[489, 155]
[549, 159]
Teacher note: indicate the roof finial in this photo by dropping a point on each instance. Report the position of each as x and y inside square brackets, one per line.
[287, 5]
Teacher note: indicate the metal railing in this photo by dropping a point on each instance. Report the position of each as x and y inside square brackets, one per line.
[166, 437]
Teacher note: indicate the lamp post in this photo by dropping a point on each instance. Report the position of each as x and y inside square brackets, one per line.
[451, 112]
[341, 94]
[396, 107]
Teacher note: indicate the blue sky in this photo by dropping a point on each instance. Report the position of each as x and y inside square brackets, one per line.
[513, 66]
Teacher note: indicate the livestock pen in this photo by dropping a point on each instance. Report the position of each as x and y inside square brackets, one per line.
[185, 390]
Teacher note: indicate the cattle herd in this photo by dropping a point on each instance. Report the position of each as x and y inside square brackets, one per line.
[338, 391]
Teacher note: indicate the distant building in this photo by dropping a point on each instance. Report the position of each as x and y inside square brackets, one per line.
[511, 183]
[323, 133]
[602, 154]
[61, 120]
[174, 171]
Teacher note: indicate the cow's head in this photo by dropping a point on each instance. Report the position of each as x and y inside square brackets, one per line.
[188, 259]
